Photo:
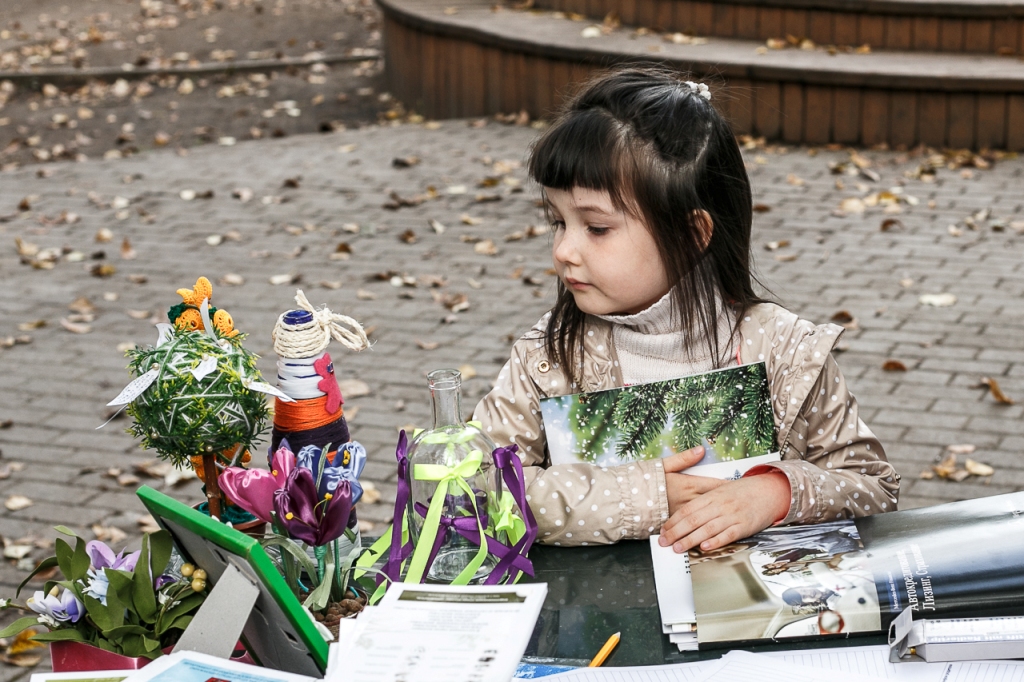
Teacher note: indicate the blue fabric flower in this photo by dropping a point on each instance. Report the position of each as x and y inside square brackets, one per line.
[348, 465]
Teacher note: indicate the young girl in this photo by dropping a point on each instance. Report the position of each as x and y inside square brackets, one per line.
[651, 211]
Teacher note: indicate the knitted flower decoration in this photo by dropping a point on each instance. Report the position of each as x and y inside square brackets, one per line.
[187, 316]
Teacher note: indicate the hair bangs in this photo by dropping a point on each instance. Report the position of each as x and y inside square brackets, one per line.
[585, 149]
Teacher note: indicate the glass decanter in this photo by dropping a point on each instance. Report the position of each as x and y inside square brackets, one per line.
[449, 443]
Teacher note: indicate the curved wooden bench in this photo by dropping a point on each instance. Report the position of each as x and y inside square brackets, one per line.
[467, 59]
[982, 26]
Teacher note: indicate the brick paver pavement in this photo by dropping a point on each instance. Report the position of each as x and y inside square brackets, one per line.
[55, 388]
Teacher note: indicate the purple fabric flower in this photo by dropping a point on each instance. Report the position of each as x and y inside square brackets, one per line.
[253, 489]
[61, 609]
[102, 557]
[163, 581]
[307, 516]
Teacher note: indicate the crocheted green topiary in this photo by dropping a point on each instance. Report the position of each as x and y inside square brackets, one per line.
[180, 415]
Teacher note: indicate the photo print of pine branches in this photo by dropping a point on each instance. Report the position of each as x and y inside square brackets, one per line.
[728, 411]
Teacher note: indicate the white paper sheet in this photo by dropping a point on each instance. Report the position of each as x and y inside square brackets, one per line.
[679, 672]
[672, 580]
[743, 666]
[871, 661]
[441, 633]
[983, 671]
[189, 666]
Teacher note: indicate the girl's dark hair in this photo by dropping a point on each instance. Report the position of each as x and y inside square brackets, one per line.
[663, 154]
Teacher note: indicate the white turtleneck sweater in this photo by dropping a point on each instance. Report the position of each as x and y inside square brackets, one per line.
[651, 346]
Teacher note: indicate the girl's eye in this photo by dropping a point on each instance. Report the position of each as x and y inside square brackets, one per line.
[597, 231]
[557, 225]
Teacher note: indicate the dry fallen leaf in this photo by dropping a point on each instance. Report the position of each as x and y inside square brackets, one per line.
[467, 219]
[977, 468]
[409, 237]
[370, 493]
[405, 161]
[343, 251]
[284, 279]
[436, 226]
[353, 388]
[845, 319]
[794, 180]
[852, 205]
[786, 257]
[467, 371]
[937, 300]
[18, 652]
[963, 449]
[112, 535]
[102, 270]
[427, 345]
[365, 295]
[456, 303]
[127, 252]
[927, 474]
[138, 314]
[147, 524]
[890, 223]
[104, 234]
[486, 248]
[997, 393]
[75, 327]
[762, 208]
[29, 326]
[776, 245]
[82, 305]
[894, 366]
[127, 479]
[17, 502]
[232, 279]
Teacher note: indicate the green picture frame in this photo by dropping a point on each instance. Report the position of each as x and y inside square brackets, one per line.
[279, 633]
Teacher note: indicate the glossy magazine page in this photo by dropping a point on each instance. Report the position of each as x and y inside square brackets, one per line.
[962, 559]
[728, 411]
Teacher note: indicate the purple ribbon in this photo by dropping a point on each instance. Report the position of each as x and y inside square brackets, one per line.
[399, 553]
[511, 560]
[511, 468]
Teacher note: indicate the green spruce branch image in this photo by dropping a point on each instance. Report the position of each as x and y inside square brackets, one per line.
[730, 410]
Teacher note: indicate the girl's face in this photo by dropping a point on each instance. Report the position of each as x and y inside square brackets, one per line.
[606, 258]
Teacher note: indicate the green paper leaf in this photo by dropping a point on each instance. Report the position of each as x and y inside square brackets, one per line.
[62, 635]
[46, 563]
[66, 531]
[19, 625]
[160, 545]
[179, 623]
[143, 596]
[80, 562]
[64, 557]
[99, 613]
[121, 584]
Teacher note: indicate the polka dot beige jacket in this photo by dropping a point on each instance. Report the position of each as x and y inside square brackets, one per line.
[835, 465]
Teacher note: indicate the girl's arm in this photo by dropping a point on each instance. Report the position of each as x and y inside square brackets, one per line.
[574, 504]
[835, 465]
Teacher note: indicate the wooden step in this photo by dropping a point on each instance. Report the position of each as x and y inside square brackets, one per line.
[459, 58]
[985, 26]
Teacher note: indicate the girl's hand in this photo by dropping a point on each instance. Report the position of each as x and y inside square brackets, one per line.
[682, 488]
[730, 512]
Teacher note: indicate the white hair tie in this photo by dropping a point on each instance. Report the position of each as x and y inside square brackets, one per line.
[700, 89]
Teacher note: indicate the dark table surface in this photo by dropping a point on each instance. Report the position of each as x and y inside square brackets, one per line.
[594, 592]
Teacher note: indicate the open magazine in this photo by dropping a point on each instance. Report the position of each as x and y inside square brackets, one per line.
[728, 411]
[962, 559]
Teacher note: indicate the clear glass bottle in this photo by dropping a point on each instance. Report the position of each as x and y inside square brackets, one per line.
[448, 443]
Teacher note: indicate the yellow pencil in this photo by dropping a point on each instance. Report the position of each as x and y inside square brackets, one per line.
[603, 654]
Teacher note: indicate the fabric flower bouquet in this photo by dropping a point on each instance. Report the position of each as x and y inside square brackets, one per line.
[309, 500]
[126, 604]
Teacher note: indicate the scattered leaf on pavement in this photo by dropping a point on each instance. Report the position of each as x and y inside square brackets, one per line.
[427, 345]
[977, 468]
[894, 366]
[996, 391]
[17, 502]
[937, 300]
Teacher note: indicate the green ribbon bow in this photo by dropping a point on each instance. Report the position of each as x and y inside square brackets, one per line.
[508, 520]
[449, 480]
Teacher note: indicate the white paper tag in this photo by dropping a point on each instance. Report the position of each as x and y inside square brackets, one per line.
[264, 387]
[166, 331]
[203, 369]
[135, 388]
